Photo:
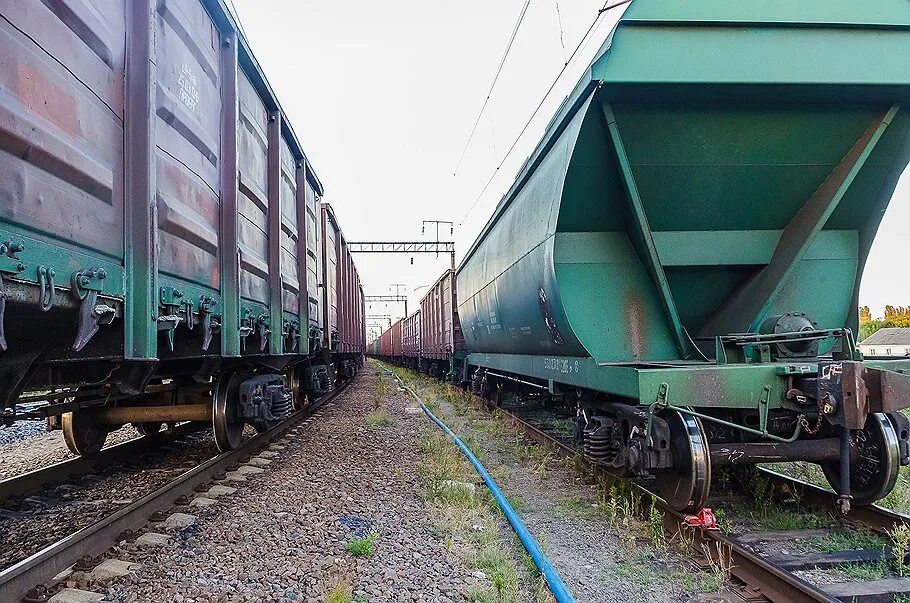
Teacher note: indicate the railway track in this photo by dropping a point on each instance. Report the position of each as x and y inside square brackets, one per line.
[34, 578]
[774, 577]
[64, 471]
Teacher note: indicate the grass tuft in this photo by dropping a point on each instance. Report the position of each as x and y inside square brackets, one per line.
[363, 546]
[379, 418]
[900, 540]
[340, 594]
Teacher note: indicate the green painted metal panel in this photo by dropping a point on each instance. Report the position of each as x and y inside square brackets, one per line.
[762, 55]
[684, 167]
[881, 13]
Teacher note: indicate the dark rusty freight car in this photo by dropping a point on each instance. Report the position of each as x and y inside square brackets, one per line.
[442, 345]
[158, 223]
[343, 312]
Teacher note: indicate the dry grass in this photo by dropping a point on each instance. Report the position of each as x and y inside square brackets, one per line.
[379, 418]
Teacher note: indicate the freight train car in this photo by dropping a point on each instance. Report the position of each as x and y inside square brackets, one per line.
[343, 302]
[158, 226]
[410, 339]
[442, 344]
[694, 226]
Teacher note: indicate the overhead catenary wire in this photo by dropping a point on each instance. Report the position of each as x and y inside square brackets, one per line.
[486, 101]
[562, 37]
[236, 13]
[606, 7]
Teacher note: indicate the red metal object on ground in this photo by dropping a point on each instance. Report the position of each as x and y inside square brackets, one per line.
[705, 520]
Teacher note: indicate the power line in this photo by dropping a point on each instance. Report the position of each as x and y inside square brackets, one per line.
[239, 22]
[562, 39]
[594, 23]
[502, 62]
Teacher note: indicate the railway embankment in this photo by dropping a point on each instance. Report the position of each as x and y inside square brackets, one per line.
[361, 502]
[599, 536]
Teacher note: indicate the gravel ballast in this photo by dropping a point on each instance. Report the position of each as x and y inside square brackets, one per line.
[288, 533]
[27, 445]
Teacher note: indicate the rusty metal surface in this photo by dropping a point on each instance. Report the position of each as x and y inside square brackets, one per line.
[343, 317]
[121, 415]
[230, 262]
[889, 391]
[61, 121]
[395, 338]
[350, 298]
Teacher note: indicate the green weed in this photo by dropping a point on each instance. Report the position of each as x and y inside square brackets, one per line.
[363, 546]
[379, 418]
[340, 594]
[900, 546]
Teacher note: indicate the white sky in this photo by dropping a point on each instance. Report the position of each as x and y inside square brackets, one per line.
[383, 97]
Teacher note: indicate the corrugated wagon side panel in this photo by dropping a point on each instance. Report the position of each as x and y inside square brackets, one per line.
[330, 278]
[396, 338]
[253, 202]
[410, 337]
[290, 278]
[313, 219]
[441, 331]
[61, 136]
[188, 105]
[348, 287]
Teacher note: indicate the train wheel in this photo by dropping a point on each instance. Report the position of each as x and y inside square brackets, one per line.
[293, 382]
[875, 461]
[685, 487]
[228, 428]
[82, 432]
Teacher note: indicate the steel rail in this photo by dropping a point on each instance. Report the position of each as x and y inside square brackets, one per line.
[62, 471]
[760, 576]
[94, 540]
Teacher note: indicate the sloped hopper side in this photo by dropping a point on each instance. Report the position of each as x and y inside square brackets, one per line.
[697, 219]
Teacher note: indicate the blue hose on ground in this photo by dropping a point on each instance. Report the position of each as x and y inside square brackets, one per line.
[554, 581]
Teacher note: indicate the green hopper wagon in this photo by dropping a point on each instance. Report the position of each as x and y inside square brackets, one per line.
[681, 256]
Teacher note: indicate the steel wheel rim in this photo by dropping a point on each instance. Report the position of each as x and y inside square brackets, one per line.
[228, 431]
[82, 432]
[687, 485]
[877, 476]
[293, 381]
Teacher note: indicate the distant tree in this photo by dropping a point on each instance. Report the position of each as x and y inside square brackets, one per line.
[899, 316]
[865, 315]
[868, 328]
